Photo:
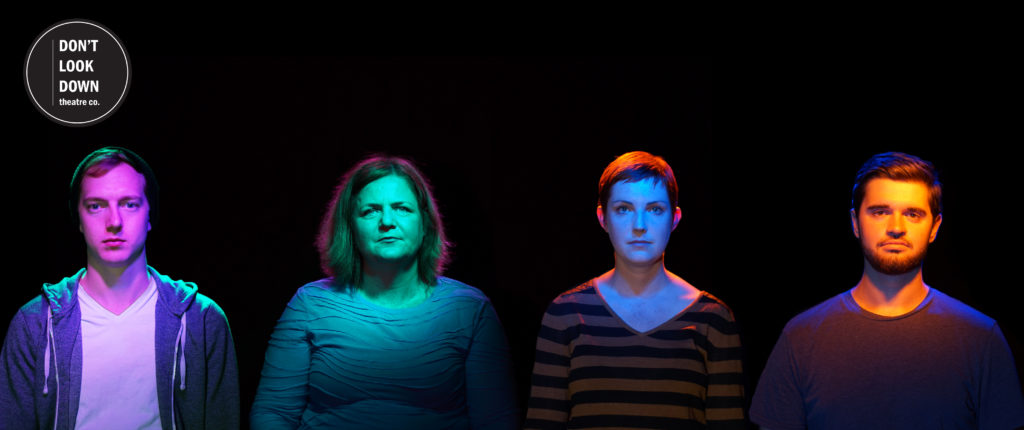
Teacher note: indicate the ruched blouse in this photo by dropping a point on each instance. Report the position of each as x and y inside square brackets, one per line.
[336, 360]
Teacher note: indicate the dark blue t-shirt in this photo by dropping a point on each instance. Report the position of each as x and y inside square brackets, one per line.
[942, 365]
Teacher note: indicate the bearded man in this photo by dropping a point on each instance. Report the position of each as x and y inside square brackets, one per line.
[892, 352]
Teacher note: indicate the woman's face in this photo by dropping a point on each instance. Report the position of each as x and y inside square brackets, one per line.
[639, 219]
[387, 220]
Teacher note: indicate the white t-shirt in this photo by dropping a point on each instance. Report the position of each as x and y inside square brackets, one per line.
[118, 365]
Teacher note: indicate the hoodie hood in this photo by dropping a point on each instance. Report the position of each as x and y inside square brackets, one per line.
[63, 296]
[176, 296]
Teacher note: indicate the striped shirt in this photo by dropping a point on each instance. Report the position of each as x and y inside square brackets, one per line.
[592, 370]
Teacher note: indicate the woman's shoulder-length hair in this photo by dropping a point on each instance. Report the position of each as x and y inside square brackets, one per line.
[336, 241]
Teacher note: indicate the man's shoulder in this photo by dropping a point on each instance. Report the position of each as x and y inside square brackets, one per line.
[37, 305]
[947, 307]
[60, 293]
[34, 310]
[179, 287]
[818, 314]
[205, 304]
[32, 315]
[184, 295]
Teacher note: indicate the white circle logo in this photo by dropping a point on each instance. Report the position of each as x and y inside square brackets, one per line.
[77, 73]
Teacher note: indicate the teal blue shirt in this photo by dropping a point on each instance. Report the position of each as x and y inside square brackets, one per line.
[336, 360]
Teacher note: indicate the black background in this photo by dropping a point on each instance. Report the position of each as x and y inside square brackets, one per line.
[248, 140]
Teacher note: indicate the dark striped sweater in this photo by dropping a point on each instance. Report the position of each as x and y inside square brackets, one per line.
[592, 370]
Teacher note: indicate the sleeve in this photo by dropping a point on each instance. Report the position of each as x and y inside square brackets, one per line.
[490, 390]
[549, 394]
[17, 408]
[725, 402]
[222, 404]
[284, 382]
[1000, 403]
[778, 403]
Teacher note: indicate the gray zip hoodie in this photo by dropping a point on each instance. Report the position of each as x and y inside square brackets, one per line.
[196, 370]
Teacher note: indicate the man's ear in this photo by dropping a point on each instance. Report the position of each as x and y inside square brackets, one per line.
[853, 221]
[935, 228]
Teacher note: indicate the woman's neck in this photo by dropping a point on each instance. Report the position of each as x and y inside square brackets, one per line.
[393, 287]
[637, 280]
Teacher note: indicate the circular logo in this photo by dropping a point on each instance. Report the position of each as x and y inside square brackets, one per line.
[77, 72]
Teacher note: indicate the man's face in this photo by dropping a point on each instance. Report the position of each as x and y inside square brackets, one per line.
[387, 220]
[639, 219]
[114, 216]
[895, 225]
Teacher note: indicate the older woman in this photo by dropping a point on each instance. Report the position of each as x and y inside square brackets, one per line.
[637, 347]
[385, 342]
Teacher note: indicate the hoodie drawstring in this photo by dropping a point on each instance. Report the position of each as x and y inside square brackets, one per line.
[50, 343]
[179, 342]
[46, 353]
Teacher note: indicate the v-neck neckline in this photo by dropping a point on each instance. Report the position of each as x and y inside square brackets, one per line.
[622, 321]
[133, 308]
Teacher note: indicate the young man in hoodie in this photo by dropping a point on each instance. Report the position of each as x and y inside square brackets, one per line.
[118, 345]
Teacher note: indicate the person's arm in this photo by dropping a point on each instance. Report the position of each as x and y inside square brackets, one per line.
[777, 400]
[222, 409]
[1001, 404]
[725, 401]
[284, 382]
[549, 395]
[17, 407]
[490, 389]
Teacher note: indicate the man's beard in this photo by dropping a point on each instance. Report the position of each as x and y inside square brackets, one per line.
[895, 264]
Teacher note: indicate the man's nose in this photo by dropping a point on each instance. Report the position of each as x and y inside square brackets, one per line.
[897, 226]
[114, 219]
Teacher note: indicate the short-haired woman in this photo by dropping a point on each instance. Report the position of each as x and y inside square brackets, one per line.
[637, 347]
